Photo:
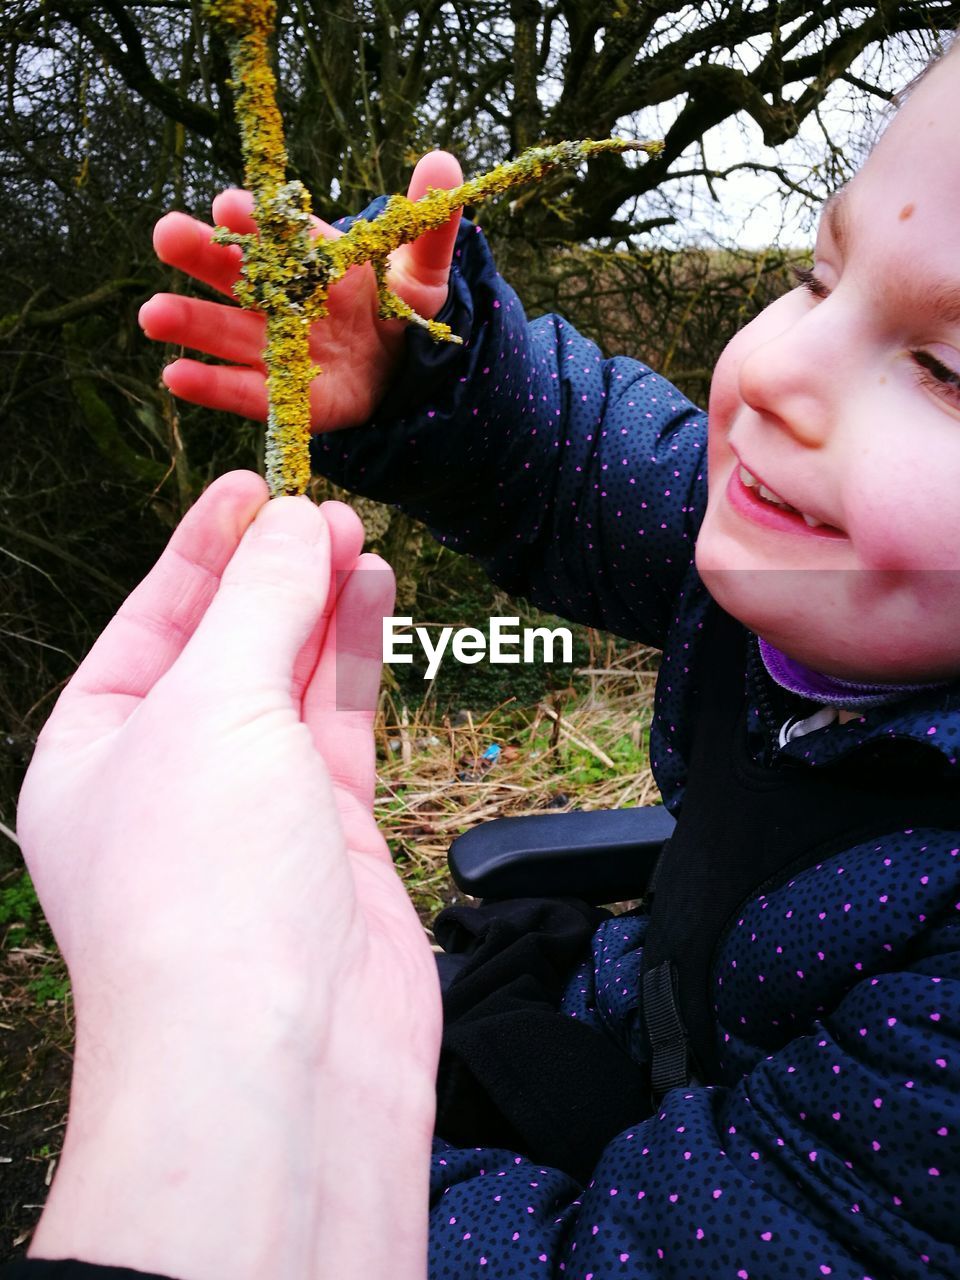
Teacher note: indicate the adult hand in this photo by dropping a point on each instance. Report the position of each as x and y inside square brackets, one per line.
[258, 1015]
[357, 352]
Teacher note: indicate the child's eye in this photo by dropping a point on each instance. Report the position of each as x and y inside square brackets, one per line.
[812, 283]
[940, 378]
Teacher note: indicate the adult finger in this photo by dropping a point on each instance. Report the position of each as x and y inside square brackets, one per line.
[270, 597]
[187, 244]
[212, 327]
[153, 625]
[346, 543]
[428, 258]
[340, 702]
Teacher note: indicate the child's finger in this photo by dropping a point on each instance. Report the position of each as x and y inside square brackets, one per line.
[269, 600]
[185, 243]
[346, 543]
[428, 258]
[241, 390]
[156, 621]
[218, 386]
[233, 209]
[340, 701]
[212, 327]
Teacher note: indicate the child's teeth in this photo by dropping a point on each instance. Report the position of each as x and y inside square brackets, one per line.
[751, 482]
[770, 496]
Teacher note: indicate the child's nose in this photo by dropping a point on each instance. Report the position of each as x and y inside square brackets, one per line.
[788, 377]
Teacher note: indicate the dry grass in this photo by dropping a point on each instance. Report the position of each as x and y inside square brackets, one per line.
[582, 748]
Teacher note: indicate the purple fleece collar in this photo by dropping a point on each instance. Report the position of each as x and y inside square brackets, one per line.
[833, 690]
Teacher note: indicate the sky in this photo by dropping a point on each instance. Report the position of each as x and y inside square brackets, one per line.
[753, 209]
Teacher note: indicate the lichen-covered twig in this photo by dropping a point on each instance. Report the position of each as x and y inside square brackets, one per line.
[287, 274]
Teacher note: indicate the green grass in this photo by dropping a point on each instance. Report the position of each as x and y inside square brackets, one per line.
[20, 910]
[52, 986]
[27, 928]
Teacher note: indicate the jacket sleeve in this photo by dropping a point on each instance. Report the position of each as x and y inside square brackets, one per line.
[836, 1156]
[576, 481]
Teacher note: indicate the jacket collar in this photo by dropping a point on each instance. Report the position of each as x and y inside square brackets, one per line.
[928, 719]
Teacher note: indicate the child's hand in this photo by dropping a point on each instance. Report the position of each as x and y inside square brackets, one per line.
[357, 352]
[258, 1012]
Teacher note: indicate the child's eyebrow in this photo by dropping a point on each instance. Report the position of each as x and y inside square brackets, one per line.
[939, 299]
[835, 214]
[943, 303]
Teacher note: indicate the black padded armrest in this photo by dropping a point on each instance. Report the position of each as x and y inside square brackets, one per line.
[603, 856]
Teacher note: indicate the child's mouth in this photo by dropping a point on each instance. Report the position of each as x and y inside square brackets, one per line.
[751, 482]
[757, 500]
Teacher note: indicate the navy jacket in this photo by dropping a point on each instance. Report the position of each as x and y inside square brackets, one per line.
[831, 1146]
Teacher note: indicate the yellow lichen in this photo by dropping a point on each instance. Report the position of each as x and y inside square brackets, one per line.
[287, 275]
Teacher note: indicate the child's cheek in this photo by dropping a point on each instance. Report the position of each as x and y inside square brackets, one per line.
[724, 403]
[898, 522]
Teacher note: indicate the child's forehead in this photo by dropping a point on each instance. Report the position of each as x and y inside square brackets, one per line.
[912, 175]
[920, 140]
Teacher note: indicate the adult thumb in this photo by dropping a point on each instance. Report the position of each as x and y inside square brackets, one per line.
[270, 597]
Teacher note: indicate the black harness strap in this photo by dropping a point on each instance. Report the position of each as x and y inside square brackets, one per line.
[669, 1046]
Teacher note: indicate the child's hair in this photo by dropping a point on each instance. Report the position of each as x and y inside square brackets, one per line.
[946, 43]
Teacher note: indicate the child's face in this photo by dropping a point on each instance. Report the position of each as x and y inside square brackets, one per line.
[844, 399]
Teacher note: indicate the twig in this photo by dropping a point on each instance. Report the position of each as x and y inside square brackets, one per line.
[287, 273]
[615, 671]
[5, 1115]
[406, 749]
[580, 739]
[11, 835]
